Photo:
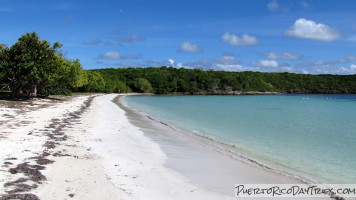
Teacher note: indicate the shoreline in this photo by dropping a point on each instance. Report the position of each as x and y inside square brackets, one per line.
[204, 144]
[225, 149]
[235, 93]
[281, 175]
[98, 152]
[233, 151]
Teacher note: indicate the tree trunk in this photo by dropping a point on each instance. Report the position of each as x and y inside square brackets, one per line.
[33, 92]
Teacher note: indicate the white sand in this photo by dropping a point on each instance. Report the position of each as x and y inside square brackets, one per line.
[132, 162]
[21, 137]
[105, 157]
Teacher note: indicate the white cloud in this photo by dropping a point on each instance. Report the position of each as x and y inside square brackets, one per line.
[113, 55]
[171, 61]
[284, 56]
[189, 47]
[204, 63]
[232, 67]
[273, 6]
[227, 59]
[328, 67]
[267, 63]
[309, 29]
[235, 40]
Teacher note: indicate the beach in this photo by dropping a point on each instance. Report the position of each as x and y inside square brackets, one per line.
[90, 147]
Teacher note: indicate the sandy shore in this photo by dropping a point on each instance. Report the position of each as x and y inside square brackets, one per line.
[87, 148]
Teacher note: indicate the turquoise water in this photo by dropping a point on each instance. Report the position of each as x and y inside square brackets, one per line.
[313, 136]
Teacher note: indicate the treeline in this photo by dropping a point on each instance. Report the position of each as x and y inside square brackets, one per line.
[165, 80]
[33, 67]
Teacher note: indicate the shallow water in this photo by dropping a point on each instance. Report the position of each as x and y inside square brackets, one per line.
[312, 136]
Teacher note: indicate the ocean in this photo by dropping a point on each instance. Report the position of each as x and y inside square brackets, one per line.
[310, 136]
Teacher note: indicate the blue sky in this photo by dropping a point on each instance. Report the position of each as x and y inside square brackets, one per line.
[299, 36]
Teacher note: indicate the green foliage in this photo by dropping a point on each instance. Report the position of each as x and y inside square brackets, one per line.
[68, 76]
[170, 80]
[28, 64]
[96, 82]
[122, 87]
[3, 64]
[32, 67]
[113, 86]
[142, 85]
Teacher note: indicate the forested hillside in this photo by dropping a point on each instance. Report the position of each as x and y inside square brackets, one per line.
[165, 80]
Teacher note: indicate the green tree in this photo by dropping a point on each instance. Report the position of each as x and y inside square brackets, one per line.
[166, 80]
[28, 64]
[142, 85]
[3, 65]
[96, 82]
[122, 87]
[67, 77]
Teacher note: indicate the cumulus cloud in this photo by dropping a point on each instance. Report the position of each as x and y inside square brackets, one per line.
[113, 55]
[266, 63]
[284, 56]
[204, 63]
[234, 40]
[236, 67]
[228, 62]
[189, 47]
[340, 66]
[168, 62]
[227, 59]
[309, 29]
[333, 69]
[176, 65]
[171, 61]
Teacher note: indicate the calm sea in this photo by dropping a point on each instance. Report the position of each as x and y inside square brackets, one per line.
[313, 136]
